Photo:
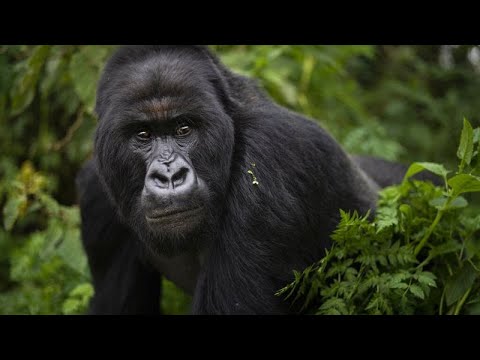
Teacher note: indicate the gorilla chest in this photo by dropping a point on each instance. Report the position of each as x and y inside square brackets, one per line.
[182, 270]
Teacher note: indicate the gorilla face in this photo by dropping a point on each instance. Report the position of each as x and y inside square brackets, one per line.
[164, 147]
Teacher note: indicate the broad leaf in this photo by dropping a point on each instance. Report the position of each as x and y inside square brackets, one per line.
[85, 70]
[459, 202]
[445, 248]
[24, 88]
[459, 284]
[464, 183]
[465, 149]
[427, 278]
[476, 135]
[416, 167]
[12, 209]
[71, 251]
[417, 291]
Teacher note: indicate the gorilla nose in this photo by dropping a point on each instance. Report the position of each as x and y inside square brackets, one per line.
[171, 176]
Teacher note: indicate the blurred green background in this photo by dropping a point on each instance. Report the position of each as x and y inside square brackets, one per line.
[403, 103]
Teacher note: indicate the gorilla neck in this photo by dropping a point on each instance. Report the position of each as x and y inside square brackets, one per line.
[182, 270]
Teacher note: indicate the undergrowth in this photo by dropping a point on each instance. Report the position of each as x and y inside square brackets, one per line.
[419, 255]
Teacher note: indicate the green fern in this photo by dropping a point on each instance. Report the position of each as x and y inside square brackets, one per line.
[419, 255]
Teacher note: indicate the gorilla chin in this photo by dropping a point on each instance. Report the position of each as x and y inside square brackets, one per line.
[174, 227]
[174, 235]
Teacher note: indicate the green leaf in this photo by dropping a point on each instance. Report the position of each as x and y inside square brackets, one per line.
[386, 216]
[24, 88]
[465, 149]
[84, 70]
[445, 248]
[417, 291]
[398, 286]
[71, 251]
[49, 203]
[459, 284]
[427, 278]
[464, 183]
[396, 281]
[78, 299]
[54, 71]
[406, 210]
[334, 306]
[476, 135]
[416, 167]
[82, 290]
[438, 202]
[174, 300]
[53, 235]
[457, 203]
[12, 209]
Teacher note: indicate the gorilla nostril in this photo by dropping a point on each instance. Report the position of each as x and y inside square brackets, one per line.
[160, 180]
[179, 177]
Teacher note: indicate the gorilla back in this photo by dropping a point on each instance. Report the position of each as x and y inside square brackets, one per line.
[198, 176]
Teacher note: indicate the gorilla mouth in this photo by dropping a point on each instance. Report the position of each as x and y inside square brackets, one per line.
[157, 217]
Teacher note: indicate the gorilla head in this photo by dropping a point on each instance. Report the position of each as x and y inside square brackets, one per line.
[162, 128]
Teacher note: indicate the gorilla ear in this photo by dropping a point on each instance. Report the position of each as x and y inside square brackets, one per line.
[225, 82]
[235, 91]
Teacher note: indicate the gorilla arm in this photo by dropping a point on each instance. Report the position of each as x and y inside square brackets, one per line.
[123, 283]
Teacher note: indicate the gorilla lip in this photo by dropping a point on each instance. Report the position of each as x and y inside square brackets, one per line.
[172, 213]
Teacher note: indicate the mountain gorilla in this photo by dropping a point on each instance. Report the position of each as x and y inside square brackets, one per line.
[198, 176]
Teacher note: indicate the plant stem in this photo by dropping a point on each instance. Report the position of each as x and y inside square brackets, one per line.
[442, 299]
[70, 132]
[429, 232]
[462, 301]
[425, 262]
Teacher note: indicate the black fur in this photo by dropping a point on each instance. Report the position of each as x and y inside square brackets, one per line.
[252, 235]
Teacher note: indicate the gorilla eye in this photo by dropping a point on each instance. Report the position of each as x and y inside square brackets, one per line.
[183, 130]
[144, 135]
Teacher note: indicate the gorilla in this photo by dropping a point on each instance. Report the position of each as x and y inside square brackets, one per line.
[198, 176]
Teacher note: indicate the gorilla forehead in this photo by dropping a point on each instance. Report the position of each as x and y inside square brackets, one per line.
[161, 87]
[160, 108]
[163, 76]
[141, 81]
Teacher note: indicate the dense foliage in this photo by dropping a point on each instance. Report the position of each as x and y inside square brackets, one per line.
[420, 253]
[398, 102]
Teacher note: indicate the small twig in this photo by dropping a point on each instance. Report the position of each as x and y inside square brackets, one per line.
[254, 178]
[429, 231]
[70, 132]
[442, 299]
[462, 301]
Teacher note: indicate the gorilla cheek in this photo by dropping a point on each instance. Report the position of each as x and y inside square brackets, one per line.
[213, 163]
[115, 171]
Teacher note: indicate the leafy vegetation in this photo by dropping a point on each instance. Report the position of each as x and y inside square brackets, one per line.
[397, 102]
[420, 253]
